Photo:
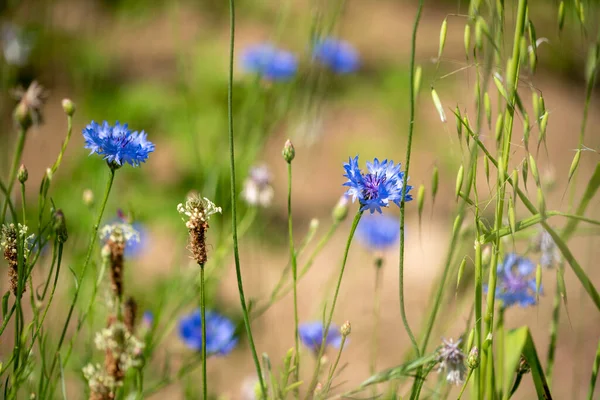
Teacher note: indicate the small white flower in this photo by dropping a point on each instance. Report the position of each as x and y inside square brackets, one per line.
[197, 208]
[119, 232]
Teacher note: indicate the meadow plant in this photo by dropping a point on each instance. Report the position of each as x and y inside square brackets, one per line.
[62, 339]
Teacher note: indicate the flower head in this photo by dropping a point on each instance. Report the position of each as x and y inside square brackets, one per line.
[452, 361]
[117, 143]
[137, 239]
[378, 232]
[269, 62]
[337, 55]
[31, 101]
[378, 187]
[196, 213]
[311, 335]
[220, 333]
[516, 285]
[257, 187]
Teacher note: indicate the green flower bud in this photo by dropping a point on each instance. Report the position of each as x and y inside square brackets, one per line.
[69, 107]
[340, 211]
[346, 329]
[22, 174]
[60, 226]
[417, 83]
[473, 358]
[288, 151]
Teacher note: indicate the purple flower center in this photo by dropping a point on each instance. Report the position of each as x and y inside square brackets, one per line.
[372, 183]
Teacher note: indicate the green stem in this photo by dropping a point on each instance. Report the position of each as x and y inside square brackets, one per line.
[594, 373]
[23, 204]
[478, 309]
[203, 319]
[88, 258]
[411, 124]
[512, 82]
[315, 376]
[236, 253]
[294, 264]
[376, 318]
[464, 386]
[334, 367]
[12, 175]
[553, 334]
[64, 145]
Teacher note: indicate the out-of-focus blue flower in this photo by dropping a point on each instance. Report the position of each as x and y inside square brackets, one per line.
[117, 143]
[220, 333]
[148, 319]
[378, 232]
[381, 185]
[311, 335]
[337, 55]
[516, 283]
[270, 62]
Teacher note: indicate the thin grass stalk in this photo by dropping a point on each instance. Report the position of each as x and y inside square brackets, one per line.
[313, 382]
[376, 319]
[203, 322]
[236, 253]
[411, 123]
[294, 264]
[88, 257]
[11, 206]
[12, 175]
[512, 82]
[594, 376]
[335, 365]
[553, 335]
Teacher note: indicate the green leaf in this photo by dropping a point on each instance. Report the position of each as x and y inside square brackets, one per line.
[594, 373]
[399, 371]
[5, 304]
[520, 343]
[590, 192]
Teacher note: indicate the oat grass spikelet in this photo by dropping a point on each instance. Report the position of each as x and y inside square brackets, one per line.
[196, 212]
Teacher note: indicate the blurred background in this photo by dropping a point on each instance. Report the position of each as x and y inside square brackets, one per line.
[161, 67]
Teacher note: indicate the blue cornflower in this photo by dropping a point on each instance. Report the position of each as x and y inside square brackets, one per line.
[117, 143]
[378, 232]
[337, 55]
[220, 333]
[381, 185]
[515, 281]
[269, 62]
[311, 335]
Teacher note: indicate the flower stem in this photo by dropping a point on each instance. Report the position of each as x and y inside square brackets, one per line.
[411, 123]
[334, 367]
[236, 253]
[553, 335]
[294, 263]
[313, 382]
[376, 318]
[88, 257]
[203, 322]
[12, 175]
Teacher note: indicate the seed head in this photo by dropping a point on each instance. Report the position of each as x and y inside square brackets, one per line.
[346, 329]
